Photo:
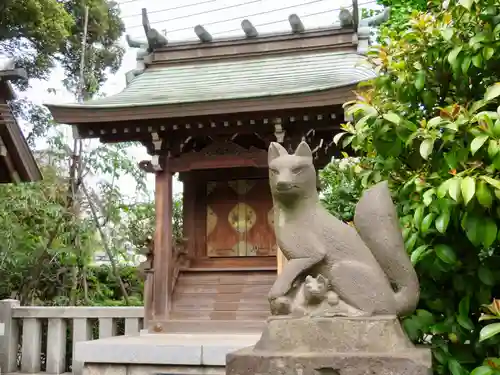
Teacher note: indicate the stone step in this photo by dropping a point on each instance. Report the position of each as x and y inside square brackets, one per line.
[211, 326]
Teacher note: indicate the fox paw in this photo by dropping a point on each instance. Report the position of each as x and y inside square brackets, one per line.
[280, 306]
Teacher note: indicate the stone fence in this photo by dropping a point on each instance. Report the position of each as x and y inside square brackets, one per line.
[35, 339]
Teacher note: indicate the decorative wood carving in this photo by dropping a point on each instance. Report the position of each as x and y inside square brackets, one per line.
[220, 154]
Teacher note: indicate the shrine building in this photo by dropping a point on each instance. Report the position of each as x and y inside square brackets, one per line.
[207, 110]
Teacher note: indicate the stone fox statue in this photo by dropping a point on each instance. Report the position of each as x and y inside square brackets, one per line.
[367, 266]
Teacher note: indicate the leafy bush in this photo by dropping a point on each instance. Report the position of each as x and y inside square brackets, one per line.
[430, 125]
[340, 188]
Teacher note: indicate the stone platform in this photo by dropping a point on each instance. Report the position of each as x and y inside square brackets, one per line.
[331, 346]
[151, 354]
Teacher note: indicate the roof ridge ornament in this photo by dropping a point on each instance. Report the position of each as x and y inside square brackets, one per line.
[296, 24]
[249, 29]
[154, 37]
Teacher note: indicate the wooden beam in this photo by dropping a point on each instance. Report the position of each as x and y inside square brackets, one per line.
[163, 249]
[198, 161]
[249, 29]
[202, 34]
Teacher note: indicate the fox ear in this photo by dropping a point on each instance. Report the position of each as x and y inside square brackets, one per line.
[303, 150]
[322, 279]
[275, 150]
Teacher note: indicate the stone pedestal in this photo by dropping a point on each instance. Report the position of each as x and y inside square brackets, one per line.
[331, 346]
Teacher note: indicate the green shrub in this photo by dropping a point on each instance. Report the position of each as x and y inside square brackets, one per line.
[430, 125]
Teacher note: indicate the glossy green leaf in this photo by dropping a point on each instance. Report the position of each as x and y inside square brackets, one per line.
[496, 162]
[428, 196]
[418, 215]
[445, 253]
[492, 92]
[466, 63]
[392, 117]
[482, 370]
[493, 148]
[488, 53]
[465, 322]
[427, 222]
[496, 130]
[464, 306]
[483, 194]
[485, 317]
[452, 56]
[420, 81]
[418, 254]
[473, 230]
[489, 231]
[486, 276]
[493, 182]
[453, 365]
[478, 142]
[410, 243]
[337, 137]
[477, 60]
[435, 121]
[489, 331]
[443, 189]
[454, 188]
[468, 188]
[426, 148]
[447, 33]
[442, 221]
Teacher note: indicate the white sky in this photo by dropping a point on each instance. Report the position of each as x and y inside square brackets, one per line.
[178, 18]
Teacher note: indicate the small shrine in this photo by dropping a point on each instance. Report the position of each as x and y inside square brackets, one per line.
[207, 110]
[17, 163]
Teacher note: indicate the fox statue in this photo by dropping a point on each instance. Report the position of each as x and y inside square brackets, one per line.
[367, 266]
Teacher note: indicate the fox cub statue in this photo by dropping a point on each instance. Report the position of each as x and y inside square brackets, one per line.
[366, 265]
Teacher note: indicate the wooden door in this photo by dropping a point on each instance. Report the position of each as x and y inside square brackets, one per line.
[239, 219]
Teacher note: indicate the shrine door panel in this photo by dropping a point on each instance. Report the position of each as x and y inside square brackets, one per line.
[239, 219]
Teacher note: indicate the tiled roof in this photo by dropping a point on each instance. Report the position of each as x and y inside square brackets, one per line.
[243, 79]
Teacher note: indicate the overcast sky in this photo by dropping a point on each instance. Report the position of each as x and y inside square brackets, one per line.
[178, 18]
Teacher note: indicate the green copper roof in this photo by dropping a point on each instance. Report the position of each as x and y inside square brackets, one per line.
[250, 78]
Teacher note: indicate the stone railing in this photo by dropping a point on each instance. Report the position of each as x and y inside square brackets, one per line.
[37, 339]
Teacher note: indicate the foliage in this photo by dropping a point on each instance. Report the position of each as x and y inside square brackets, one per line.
[401, 11]
[32, 30]
[430, 125]
[341, 188]
[102, 54]
[40, 32]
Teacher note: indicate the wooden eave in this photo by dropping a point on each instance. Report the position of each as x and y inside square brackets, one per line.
[102, 118]
[15, 152]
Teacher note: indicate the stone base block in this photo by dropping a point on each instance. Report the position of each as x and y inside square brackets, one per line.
[114, 369]
[248, 362]
[333, 335]
[331, 346]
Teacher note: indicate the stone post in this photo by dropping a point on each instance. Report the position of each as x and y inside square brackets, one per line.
[9, 336]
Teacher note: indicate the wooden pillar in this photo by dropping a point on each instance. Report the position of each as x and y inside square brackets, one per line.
[163, 249]
[189, 207]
